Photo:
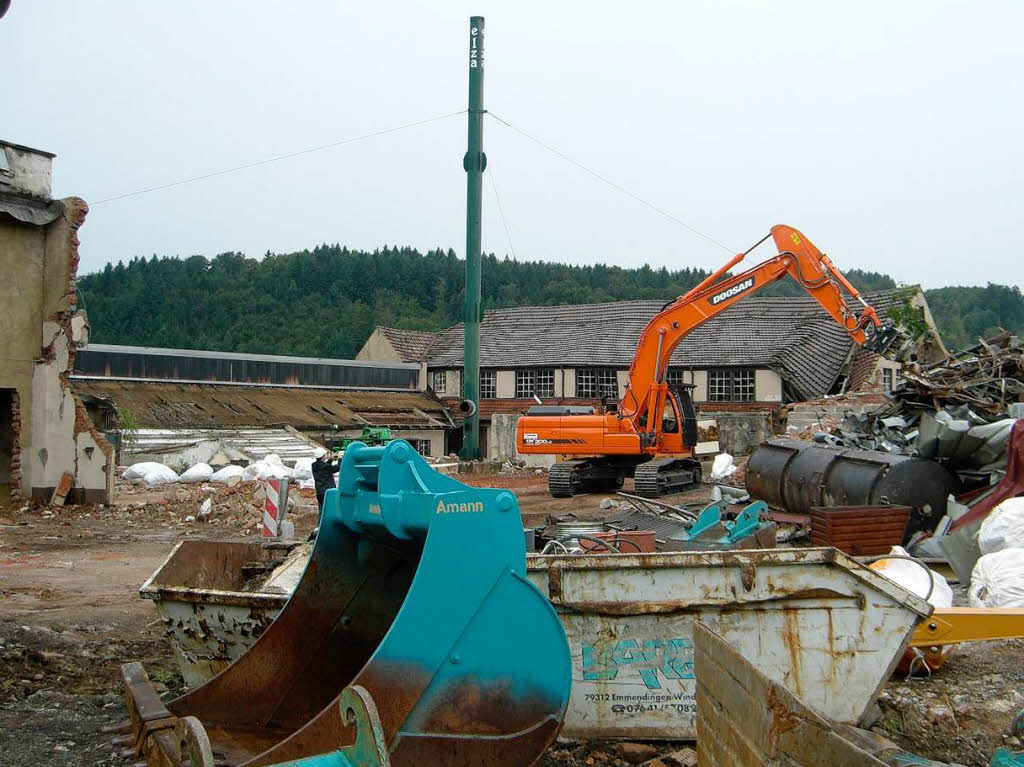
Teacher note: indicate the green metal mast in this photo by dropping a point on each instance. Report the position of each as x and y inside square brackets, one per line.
[474, 163]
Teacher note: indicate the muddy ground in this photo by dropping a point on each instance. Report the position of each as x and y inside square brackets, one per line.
[70, 615]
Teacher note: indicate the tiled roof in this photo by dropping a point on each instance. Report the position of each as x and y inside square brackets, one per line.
[793, 336]
[410, 345]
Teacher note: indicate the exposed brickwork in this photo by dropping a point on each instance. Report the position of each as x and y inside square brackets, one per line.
[15, 471]
[512, 405]
[737, 407]
[76, 210]
[864, 372]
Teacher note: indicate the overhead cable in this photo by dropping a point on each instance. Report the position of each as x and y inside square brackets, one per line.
[501, 212]
[269, 160]
[611, 183]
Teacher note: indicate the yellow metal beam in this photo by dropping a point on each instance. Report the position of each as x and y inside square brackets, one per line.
[951, 625]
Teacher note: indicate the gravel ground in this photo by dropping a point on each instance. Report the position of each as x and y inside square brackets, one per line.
[70, 614]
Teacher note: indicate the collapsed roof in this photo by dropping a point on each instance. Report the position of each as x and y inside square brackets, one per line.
[174, 405]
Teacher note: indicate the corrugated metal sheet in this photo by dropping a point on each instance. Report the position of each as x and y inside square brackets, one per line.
[174, 405]
[255, 443]
[143, 362]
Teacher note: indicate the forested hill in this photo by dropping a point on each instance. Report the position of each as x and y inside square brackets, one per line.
[326, 301]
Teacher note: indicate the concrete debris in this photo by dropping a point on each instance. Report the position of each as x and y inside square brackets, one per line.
[957, 411]
[729, 494]
[286, 576]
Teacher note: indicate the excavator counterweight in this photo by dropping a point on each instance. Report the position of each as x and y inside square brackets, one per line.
[652, 433]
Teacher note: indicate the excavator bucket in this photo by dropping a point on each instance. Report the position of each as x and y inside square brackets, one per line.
[881, 339]
[413, 638]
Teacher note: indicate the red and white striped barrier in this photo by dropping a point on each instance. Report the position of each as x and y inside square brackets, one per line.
[274, 507]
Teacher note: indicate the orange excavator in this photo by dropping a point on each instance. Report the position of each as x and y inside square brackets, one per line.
[652, 431]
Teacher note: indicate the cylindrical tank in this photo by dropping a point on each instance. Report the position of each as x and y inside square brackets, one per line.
[805, 480]
[800, 475]
[766, 468]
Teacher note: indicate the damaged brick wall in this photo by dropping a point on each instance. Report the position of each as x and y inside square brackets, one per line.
[51, 435]
[93, 457]
[15, 470]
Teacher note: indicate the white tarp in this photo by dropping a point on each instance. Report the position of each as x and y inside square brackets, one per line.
[201, 472]
[998, 580]
[914, 577]
[227, 474]
[268, 467]
[722, 467]
[151, 473]
[1003, 528]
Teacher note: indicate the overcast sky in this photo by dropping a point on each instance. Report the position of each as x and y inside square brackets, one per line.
[889, 132]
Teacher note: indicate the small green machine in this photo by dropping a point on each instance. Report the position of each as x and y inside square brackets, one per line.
[371, 435]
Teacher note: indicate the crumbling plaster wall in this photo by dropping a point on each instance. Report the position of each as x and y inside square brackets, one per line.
[42, 328]
[501, 443]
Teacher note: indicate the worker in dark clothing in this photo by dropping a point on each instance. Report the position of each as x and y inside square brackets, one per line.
[325, 466]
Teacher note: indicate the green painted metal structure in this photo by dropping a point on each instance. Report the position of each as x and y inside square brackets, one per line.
[474, 163]
[371, 435]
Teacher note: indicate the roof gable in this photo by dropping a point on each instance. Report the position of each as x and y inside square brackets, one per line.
[410, 345]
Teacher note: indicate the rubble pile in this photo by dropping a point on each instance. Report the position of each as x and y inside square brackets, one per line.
[957, 411]
[236, 509]
[986, 378]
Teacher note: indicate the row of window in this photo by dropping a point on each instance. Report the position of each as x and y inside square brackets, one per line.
[724, 385]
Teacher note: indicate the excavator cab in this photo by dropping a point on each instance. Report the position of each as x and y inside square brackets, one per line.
[681, 397]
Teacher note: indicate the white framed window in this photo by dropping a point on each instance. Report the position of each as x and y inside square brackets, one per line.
[422, 446]
[607, 383]
[439, 381]
[586, 383]
[488, 384]
[525, 380]
[675, 377]
[731, 385]
[545, 385]
[539, 382]
[597, 382]
[887, 379]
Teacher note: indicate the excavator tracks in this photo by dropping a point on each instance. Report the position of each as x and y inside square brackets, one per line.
[563, 478]
[664, 476]
[567, 478]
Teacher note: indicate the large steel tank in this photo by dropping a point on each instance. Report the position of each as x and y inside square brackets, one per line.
[797, 476]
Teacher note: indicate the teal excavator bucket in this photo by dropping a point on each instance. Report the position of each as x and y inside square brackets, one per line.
[413, 638]
[712, 531]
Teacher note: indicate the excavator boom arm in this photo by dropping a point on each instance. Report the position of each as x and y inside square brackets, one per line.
[798, 258]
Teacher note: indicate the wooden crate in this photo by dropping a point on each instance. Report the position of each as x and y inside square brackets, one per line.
[859, 530]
